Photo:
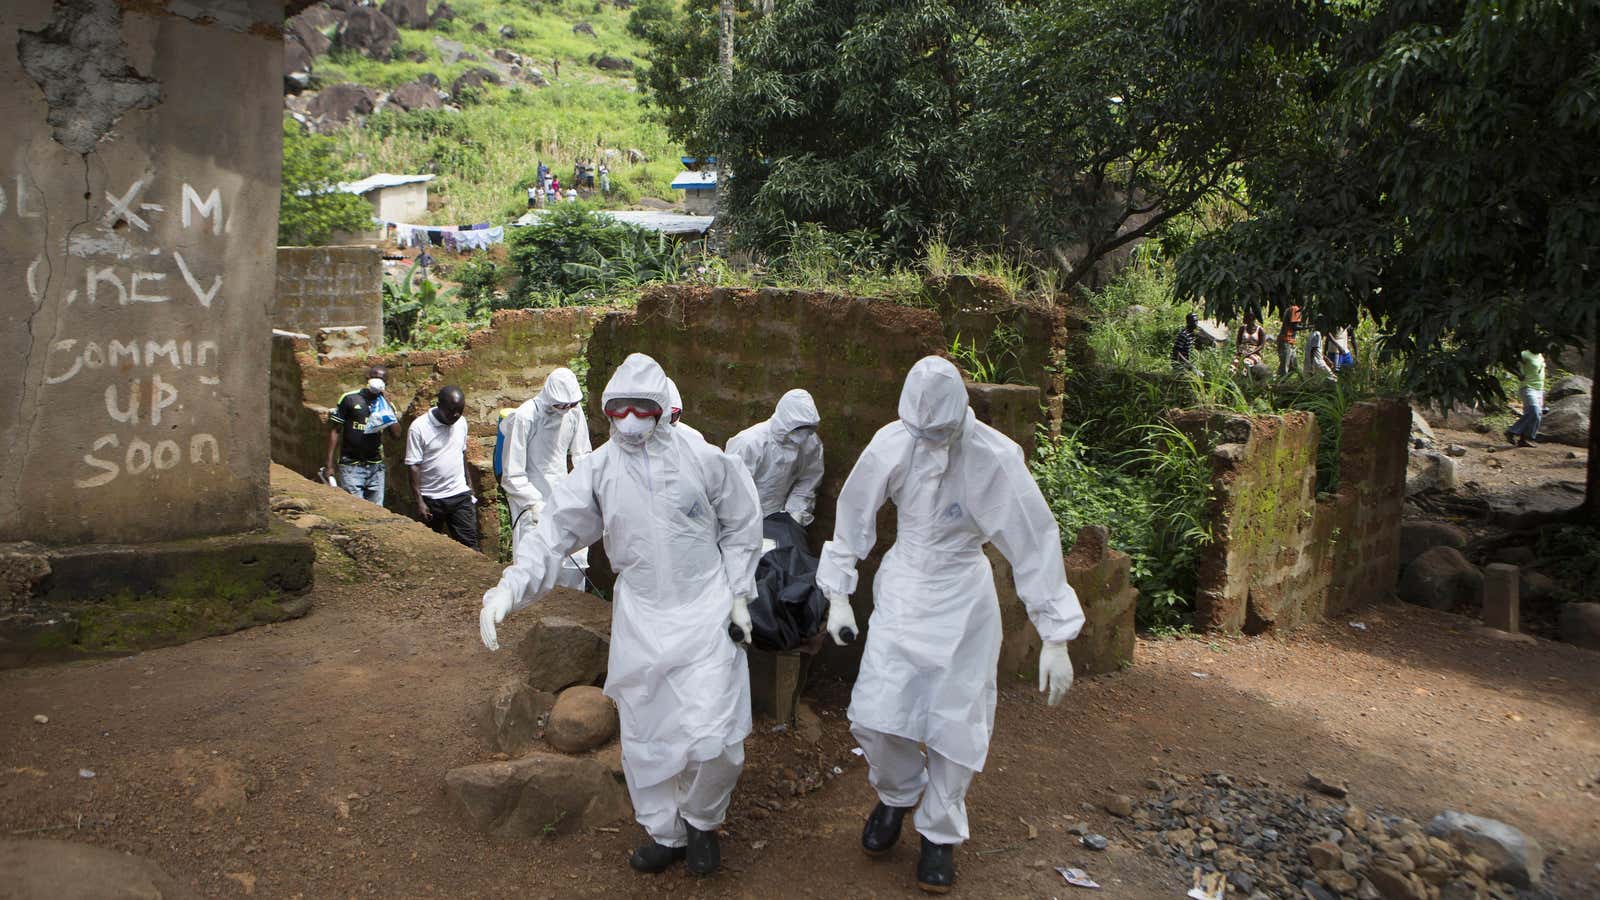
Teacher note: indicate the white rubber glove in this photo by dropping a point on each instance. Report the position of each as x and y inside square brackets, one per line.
[739, 628]
[497, 603]
[841, 619]
[1055, 672]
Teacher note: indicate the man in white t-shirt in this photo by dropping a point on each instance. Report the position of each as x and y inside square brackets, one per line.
[436, 452]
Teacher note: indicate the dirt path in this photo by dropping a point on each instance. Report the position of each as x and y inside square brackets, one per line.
[306, 759]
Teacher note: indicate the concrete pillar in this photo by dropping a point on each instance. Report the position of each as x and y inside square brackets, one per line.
[139, 180]
[1501, 600]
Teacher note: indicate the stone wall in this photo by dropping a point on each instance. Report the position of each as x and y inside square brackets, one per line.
[323, 287]
[141, 160]
[1283, 555]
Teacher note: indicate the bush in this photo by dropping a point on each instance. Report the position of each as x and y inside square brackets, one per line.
[573, 250]
[310, 210]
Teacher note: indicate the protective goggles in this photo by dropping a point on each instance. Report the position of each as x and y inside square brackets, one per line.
[643, 409]
[565, 406]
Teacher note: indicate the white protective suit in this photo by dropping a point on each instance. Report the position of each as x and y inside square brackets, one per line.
[933, 641]
[539, 440]
[682, 527]
[675, 404]
[785, 461]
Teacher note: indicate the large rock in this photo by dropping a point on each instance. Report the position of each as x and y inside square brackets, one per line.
[1417, 537]
[1580, 624]
[407, 13]
[515, 716]
[443, 13]
[1429, 470]
[536, 795]
[1441, 578]
[472, 79]
[582, 720]
[343, 102]
[416, 95]
[1570, 386]
[1567, 422]
[1513, 857]
[320, 16]
[613, 63]
[367, 30]
[65, 870]
[308, 33]
[296, 65]
[583, 28]
[1421, 431]
[560, 652]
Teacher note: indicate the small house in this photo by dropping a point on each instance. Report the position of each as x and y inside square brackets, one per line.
[394, 198]
[699, 191]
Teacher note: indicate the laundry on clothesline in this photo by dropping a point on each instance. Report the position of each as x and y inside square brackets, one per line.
[458, 238]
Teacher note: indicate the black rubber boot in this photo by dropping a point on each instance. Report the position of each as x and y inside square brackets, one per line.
[936, 870]
[882, 831]
[654, 858]
[705, 854]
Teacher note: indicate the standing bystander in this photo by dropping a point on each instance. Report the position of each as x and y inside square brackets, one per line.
[355, 436]
[436, 452]
[1526, 429]
[1286, 353]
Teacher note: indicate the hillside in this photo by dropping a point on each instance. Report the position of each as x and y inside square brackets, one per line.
[478, 92]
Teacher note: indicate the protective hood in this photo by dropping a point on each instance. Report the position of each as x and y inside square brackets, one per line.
[560, 387]
[639, 377]
[933, 403]
[795, 409]
[674, 399]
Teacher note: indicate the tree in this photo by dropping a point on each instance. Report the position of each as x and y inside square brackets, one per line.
[311, 209]
[1452, 190]
[684, 41]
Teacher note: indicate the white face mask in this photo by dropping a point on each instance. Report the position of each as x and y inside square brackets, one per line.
[375, 385]
[634, 426]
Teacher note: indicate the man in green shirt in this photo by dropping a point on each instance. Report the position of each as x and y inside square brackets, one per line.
[1526, 428]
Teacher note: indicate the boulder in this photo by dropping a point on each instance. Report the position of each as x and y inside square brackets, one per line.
[1418, 537]
[308, 34]
[583, 28]
[480, 28]
[320, 16]
[429, 79]
[515, 716]
[1567, 421]
[67, 870]
[1441, 578]
[1429, 470]
[296, 65]
[1570, 386]
[1420, 430]
[508, 32]
[442, 14]
[1513, 857]
[560, 652]
[368, 31]
[539, 794]
[472, 79]
[407, 13]
[582, 720]
[1580, 624]
[636, 156]
[1211, 333]
[416, 95]
[1535, 587]
[343, 102]
[613, 63]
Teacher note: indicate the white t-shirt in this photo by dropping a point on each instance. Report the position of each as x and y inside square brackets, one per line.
[440, 451]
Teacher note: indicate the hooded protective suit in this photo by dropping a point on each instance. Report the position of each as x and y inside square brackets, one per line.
[675, 405]
[784, 456]
[539, 439]
[682, 527]
[933, 641]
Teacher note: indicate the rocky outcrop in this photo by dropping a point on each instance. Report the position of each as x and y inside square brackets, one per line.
[368, 31]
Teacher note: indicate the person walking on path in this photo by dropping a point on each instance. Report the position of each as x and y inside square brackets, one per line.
[1287, 357]
[1525, 430]
[355, 437]
[436, 452]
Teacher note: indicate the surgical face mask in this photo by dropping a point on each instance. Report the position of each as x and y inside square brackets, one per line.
[375, 385]
[938, 436]
[634, 426]
[800, 435]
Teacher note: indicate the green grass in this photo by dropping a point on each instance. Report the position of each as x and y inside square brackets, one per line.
[486, 158]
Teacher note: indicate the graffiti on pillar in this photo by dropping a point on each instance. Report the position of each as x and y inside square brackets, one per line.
[151, 369]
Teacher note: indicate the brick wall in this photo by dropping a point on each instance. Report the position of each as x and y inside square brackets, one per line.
[1283, 555]
[319, 287]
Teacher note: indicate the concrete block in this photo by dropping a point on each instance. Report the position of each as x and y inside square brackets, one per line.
[1501, 597]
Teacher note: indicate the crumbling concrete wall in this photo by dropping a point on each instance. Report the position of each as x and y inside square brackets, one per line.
[1281, 554]
[502, 366]
[323, 287]
[138, 211]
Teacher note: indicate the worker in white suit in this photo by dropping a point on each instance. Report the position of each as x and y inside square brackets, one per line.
[541, 436]
[682, 527]
[675, 408]
[784, 456]
[933, 643]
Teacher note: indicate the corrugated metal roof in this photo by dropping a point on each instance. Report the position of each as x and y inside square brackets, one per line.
[381, 180]
[698, 181]
[649, 219]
